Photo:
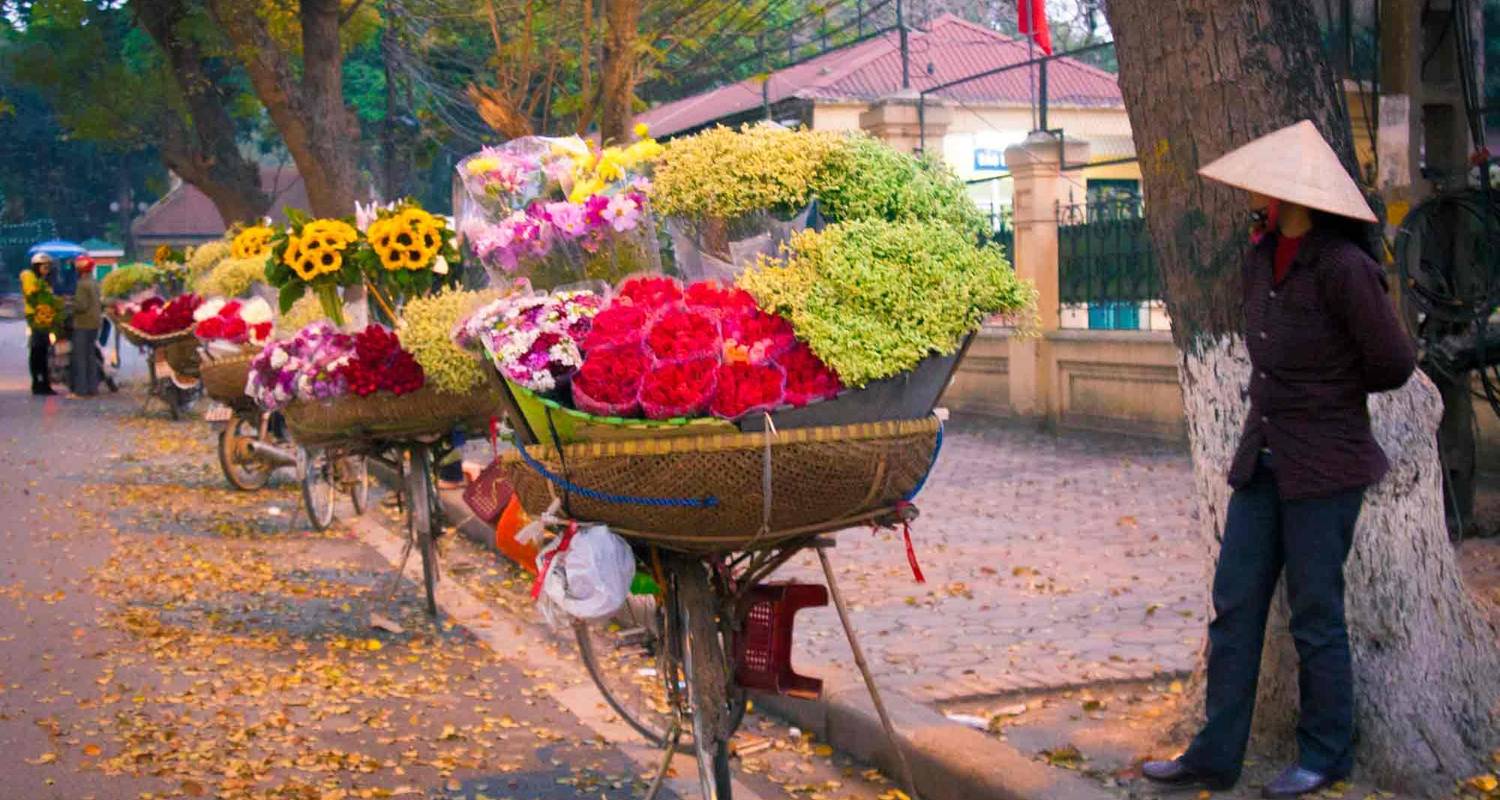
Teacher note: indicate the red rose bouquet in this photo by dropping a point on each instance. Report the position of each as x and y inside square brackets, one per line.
[717, 299]
[619, 324]
[649, 291]
[756, 337]
[808, 379]
[744, 388]
[679, 334]
[609, 382]
[176, 315]
[681, 389]
[379, 363]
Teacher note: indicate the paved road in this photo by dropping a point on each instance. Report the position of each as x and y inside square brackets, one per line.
[1050, 561]
[163, 636]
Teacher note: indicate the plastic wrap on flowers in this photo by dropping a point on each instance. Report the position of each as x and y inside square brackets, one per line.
[713, 248]
[743, 388]
[559, 210]
[682, 389]
[704, 494]
[678, 333]
[609, 382]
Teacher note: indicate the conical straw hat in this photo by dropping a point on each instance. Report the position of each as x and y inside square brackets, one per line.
[1294, 164]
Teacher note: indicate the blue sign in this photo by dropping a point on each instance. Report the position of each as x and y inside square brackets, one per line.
[989, 158]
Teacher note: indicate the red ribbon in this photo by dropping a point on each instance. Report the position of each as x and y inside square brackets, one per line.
[562, 547]
[911, 553]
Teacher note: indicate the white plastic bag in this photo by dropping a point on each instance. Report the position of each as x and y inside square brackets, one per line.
[591, 578]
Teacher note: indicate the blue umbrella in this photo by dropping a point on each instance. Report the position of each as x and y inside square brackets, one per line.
[57, 248]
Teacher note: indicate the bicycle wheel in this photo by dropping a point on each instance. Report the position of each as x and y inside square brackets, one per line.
[357, 474]
[706, 673]
[241, 468]
[625, 657]
[318, 489]
[420, 519]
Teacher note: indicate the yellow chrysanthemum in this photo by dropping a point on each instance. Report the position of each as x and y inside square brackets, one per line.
[252, 242]
[44, 316]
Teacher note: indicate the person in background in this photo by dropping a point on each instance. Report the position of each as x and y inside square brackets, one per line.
[1322, 335]
[85, 371]
[35, 280]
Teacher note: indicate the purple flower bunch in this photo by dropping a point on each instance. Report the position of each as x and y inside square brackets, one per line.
[532, 234]
[306, 366]
[533, 339]
[500, 174]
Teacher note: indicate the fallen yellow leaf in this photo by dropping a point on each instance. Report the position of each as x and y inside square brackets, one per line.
[44, 758]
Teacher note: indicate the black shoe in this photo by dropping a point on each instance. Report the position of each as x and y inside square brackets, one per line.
[44, 391]
[1177, 774]
[1295, 781]
[113, 387]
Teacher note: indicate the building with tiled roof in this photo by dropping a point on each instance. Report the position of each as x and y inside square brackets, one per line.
[970, 123]
[185, 216]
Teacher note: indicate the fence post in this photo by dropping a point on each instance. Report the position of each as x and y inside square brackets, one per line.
[1039, 186]
[908, 123]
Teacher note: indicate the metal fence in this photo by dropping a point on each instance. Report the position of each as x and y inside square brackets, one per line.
[1002, 232]
[1106, 267]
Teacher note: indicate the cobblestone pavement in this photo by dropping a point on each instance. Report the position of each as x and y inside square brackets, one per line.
[1050, 561]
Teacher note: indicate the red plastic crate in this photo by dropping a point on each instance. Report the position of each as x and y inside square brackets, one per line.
[763, 648]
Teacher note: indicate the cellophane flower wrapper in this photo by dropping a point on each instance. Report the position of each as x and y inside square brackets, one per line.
[719, 249]
[533, 340]
[808, 379]
[678, 333]
[559, 210]
[682, 389]
[649, 292]
[609, 382]
[718, 299]
[618, 325]
[756, 337]
[742, 388]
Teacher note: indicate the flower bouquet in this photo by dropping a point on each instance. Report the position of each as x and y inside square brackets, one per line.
[316, 254]
[558, 211]
[230, 327]
[407, 253]
[44, 310]
[161, 319]
[609, 382]
[533, 340]
[679, 389]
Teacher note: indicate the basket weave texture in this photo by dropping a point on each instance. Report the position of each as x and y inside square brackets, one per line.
[182, 354]
[140, 338]
[224, 380]
[423, 414]
[822, 479]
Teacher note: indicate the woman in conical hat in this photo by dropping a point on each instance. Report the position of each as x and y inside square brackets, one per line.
[1322, 335]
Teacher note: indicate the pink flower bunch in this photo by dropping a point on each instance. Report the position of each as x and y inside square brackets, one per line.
[533, 233]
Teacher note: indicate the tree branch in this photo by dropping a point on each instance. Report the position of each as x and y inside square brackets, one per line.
[350, 11]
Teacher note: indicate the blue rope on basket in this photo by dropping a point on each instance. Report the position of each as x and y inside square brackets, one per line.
[937, 447]
[604, 497]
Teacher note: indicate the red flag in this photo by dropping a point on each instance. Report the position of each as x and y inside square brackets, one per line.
[1033, 23]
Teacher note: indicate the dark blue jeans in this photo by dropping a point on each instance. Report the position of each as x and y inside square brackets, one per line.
[1310, 539]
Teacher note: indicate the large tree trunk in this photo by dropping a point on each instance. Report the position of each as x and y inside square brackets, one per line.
[618, 72]
[203, 149]
[1201, 77]
[316, 126]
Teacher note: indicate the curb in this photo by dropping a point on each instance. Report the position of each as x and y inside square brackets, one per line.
[948, 761]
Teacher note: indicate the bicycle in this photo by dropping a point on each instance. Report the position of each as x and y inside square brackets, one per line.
[710, 554]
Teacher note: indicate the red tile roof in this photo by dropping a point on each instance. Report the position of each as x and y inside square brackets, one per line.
[185, 214]
[951, 48]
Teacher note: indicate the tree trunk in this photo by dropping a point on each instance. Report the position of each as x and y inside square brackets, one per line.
[205, 150]
[316, 126]
[618, 69]
[1201, 77]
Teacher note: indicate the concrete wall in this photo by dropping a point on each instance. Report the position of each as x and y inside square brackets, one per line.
[1113, 381]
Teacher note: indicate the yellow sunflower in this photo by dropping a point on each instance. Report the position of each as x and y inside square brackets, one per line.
[252, 242]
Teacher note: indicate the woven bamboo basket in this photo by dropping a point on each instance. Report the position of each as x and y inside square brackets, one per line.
[224, 380]
[181, 354]
[705, 493]
[423, 414]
